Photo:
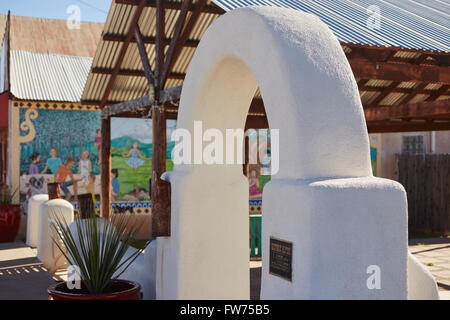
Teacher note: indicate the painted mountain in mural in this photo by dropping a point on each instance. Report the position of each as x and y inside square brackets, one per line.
[120, 146]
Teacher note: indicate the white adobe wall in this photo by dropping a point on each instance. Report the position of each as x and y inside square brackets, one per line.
[339, 226]
[421, 283]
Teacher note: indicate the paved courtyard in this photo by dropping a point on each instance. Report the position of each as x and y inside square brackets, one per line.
[23, 277]
[435, 254]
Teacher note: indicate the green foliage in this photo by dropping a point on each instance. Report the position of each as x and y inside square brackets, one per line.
[263, 180]
[97, 247]
[130, 178]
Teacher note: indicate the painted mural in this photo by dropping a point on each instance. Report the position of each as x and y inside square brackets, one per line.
[258, 169]
[64, 146]
[61, 146]
[131, 152]
[374, 147]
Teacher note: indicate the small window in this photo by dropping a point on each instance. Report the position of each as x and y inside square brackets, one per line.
[413, 145]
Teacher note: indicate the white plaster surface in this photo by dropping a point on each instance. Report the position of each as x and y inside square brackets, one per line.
[143, 271]
[47, 252]
[339, 225]
[421, 283]
[33, 218]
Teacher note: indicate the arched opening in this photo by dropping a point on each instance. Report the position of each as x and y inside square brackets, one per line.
[311, 96]
[257, 170]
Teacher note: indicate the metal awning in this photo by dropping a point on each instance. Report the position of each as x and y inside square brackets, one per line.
[405, 62]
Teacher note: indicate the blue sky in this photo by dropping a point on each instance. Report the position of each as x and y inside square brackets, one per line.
[90, 10]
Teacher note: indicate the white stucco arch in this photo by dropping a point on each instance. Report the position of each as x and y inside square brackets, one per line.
[323, 199]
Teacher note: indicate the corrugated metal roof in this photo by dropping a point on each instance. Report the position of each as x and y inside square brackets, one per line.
[415, 25]
[48, 77]
[50, 61]
[117, 23]
[408, 24]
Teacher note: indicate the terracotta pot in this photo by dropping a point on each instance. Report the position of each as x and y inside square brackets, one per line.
[117, 290]
[9, 222]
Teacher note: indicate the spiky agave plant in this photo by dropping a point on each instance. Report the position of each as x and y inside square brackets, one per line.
[97, 247]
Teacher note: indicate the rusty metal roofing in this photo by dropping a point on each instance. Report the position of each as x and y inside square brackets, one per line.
[44, 35]
[50, 61]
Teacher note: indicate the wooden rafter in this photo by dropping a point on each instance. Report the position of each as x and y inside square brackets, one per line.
[175, 5]
[386, 91]
[159, 45]
[416, 110]
[144, 57]
[134, 73]
[174, 42]
[396, 90]
[441, 91]
[123, 51]
[166, 96]
[399, 71]
[419, 87]
[148, 40]
[408, 126]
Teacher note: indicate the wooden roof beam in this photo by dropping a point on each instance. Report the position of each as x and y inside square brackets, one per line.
[416, 110]
[397, 90]
[144, 58]
[399, 71]
[419, 87]
[147, 40]
[179, 38]
[174, 5]
[436, 94]
[166, 96]
[123, 51]
[174, 42]
[386, 91]
[134, 73]
[401, 126]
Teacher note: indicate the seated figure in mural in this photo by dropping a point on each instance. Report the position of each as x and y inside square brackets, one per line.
[253, 182]
[53, 162]
[61, 175]
[138, 194]
[135, 162]
[84, 166]
[115, 187]
[35, 158]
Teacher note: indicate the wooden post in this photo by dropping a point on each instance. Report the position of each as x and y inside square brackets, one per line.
[105, 168]
[160, 189]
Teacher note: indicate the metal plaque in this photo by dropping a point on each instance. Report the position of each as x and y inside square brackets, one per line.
[280, 263]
